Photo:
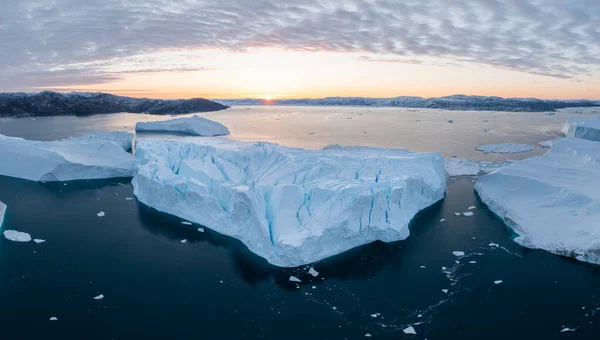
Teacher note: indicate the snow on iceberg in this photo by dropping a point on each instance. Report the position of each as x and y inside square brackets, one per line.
[505, 148]
[464, 167]
[290, 206]
[122, 138]
[196, 126]
[552, 201]
[2, 211]
[93, 156]
[585, 128]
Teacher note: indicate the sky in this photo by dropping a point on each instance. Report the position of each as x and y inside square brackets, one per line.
[302, 48]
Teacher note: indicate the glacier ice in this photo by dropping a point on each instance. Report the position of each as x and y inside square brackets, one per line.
[17, 236]
[2, 212]
[122, 138]
[196, 126]
[585, 128]
[92, 156]
[546, 143]
[505, 148]
[552, 201]
[289, 206]
[464, 167]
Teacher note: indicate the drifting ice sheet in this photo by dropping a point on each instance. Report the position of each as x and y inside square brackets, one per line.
[505, 148]
[93, 156]
[17, 236]
[290, 206]
[585, 128]
[195, 126]
[553, 201]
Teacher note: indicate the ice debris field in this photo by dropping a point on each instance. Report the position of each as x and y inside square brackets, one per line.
[195, 126]
[289, 206]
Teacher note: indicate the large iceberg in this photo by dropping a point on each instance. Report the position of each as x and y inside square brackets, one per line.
[552, 201]
[290, 206]
[586, 128]
[92, 156]
[122, 138]
[2, 211]
[196, 126]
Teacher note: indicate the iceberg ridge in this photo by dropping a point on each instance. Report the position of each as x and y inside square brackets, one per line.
[196, 126]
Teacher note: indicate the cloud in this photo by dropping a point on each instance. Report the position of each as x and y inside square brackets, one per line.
[87, 37]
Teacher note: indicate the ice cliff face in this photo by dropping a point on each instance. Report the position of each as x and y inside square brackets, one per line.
[2, 211]
[290, 206]
[552, 201]
[585, 128]
[92, 156]
[195, 126]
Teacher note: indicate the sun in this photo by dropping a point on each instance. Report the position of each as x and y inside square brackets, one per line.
[268, 98]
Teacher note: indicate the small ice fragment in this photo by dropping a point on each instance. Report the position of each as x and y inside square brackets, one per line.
[419, 316]
[221, 281]
[54, 318]
[493, 244]
[468, 213]
[375, 315]
[458, 253]
[99, 297]
[184, 241]
[201, 230]
[368, 335]
[129, 198]
[567, 330]
[334, 308]
[472, 262]
[101, 214]
[314, 287]
[442, 220]
[471, 207]
[457, 214]
[409, 330]
[17, 236]
[38, 240]
[313, 272]
[443, 268]
[186, 223]
[422, 267]
[445, 291]
[497, 282]
[295, 279]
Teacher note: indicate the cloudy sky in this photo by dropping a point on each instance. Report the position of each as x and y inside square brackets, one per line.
[302, 48]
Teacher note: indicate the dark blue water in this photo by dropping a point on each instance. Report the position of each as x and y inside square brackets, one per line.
[211, 287]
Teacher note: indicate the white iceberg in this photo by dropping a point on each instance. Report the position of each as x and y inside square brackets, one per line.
[464, 167]
[122, 138]
[17, 236]
[552, 201]
[290, 206]
[86, 157]
[195, 126]
[585, 128]
[505, 148]
[2, 212]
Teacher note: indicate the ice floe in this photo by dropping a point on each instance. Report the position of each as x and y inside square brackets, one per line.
[290, 206]
[552, 201]
[409, 330]
[294, 279]
[313, 272]
[38, 240]
[505, 148]
[196, 126]
[17, 236]
[464, 167]
[99, 297]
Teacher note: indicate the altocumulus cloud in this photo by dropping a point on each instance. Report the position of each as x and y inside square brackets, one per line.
[67, 42]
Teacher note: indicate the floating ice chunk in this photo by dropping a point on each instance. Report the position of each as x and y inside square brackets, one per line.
[101, 214]
[183, 241]
[551, 202]
[314, 287]
[457, 213]
[290, 206]
[458, 253]
[546, 143]
[196, 126]
[445, 291]
[471, 207]
[2, 212]
[567, 330]
[464, 167]
[585, 128]
[70, 159]
[186, 223]
[442, 220]
[497, 282]
[54, 318]
[129, 198]
[375, 315]
[494, 245]
[17, 236]
[38, 240]
[409, 330]
[367, 335]
[294, 279]
[468, 213]
[99, 297]
[505, 148]
[313, 272]
[422, 267]
[472, 262]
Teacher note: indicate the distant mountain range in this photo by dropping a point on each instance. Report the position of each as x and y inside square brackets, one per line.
[50, 103]
[455, 102]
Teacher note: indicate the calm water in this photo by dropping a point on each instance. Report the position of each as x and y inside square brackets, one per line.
[156, 287]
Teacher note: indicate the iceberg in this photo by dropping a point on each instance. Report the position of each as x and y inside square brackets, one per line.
[92, 156]
[196, 126]
[290, 206]
[505, 148]
[552, 201]
[16, 236]
[2, 211]
[585, 128]
[122, 138]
